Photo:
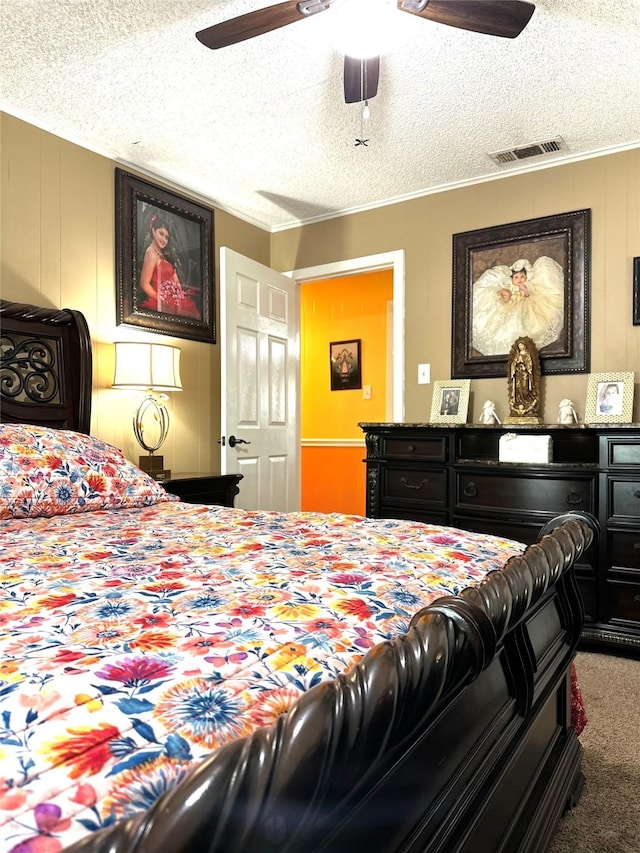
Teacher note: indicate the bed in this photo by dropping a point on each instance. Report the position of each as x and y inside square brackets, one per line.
[189, 678]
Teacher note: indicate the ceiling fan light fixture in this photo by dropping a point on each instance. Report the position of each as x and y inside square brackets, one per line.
[364, 28]
[415, 6]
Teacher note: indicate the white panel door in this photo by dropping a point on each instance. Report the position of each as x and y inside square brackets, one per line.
[260, 357]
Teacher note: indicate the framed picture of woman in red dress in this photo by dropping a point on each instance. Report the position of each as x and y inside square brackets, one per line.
[164, 260]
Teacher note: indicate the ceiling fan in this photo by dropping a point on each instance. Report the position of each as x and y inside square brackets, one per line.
[505, 18]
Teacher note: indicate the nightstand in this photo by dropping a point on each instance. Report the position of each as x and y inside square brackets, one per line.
[218, 489]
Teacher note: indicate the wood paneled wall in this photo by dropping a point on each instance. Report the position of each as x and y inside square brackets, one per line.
[609, 185]
[57, 248]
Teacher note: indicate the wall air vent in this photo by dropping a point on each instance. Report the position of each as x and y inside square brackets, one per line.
[524, 152]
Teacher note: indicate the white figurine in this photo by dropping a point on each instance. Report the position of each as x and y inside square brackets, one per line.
[488, 414]
[567, 413]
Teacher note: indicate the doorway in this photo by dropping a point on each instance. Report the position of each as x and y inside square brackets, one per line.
[246, 280]
[362, 298]
[394, 261]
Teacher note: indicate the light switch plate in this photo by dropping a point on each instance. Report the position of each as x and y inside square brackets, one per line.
[424, 374]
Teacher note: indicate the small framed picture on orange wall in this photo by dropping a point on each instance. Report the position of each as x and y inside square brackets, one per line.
[346, 367]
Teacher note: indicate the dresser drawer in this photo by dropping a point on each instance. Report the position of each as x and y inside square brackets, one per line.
[620, 452]
[624, 601]
[429, 448]
[425, 516]
[623, 498]
[624, 549]
[409, 486]
[209, 489]
[521, 531]
[500, 490]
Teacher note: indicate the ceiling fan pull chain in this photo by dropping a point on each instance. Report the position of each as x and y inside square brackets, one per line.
[365, 112]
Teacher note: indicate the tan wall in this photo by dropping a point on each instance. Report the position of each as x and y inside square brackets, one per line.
[57, 233]
[57, 248]
[608, 185]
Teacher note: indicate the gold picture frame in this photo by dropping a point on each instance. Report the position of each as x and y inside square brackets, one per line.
[450, 401]
[609, 398]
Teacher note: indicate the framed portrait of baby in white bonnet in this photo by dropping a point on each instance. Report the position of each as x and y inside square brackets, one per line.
[522, 279]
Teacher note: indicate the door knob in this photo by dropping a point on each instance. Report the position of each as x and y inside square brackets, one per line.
[232, 440]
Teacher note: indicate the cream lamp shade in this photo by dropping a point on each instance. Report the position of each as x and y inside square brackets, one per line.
[154, 368]
[147, 367]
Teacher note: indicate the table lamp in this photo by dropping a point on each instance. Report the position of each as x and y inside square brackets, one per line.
[154, 368]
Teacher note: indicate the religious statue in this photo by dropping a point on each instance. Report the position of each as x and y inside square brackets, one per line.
[523, 376]
[488, 415]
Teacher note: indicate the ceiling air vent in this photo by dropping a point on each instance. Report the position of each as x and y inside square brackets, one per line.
[524, 152]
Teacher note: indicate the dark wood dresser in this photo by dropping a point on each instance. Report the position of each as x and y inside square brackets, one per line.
[209, 489]
[452, 475]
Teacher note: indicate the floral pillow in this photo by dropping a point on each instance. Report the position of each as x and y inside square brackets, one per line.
[45, 472]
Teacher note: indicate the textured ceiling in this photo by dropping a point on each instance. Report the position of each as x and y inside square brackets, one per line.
[261, 128]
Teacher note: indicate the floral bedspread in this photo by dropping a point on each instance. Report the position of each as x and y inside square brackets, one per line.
[133, 642]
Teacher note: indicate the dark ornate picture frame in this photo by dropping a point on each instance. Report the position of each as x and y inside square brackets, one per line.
[345, 365]
[636, 291]
[182, 300]
[565, 239]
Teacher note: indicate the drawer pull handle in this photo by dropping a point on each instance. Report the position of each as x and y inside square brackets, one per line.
[470, 490]
[636, 597]
[417, 486]
[636, 494]
[637, 545]
[574, 497]
[410, 448]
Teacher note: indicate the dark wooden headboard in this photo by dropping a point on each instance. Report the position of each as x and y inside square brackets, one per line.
[45, 366]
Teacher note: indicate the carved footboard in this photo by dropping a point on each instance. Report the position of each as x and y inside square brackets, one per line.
[454, 736]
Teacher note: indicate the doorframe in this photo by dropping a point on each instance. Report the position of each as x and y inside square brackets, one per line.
[395, 261]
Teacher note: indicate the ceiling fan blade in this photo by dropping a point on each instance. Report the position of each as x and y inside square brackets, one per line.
[259, 22]
[506, 18]
[360, 78]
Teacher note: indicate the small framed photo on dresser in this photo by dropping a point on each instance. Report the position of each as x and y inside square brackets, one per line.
[609, 398]
[450, 401]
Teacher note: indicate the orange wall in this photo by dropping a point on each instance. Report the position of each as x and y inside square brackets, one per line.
[333, 474]
[333, 479]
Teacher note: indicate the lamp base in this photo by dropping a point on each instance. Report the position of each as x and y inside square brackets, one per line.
[154, 466]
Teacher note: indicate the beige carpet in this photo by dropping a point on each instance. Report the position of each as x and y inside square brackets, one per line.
[607, 818]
